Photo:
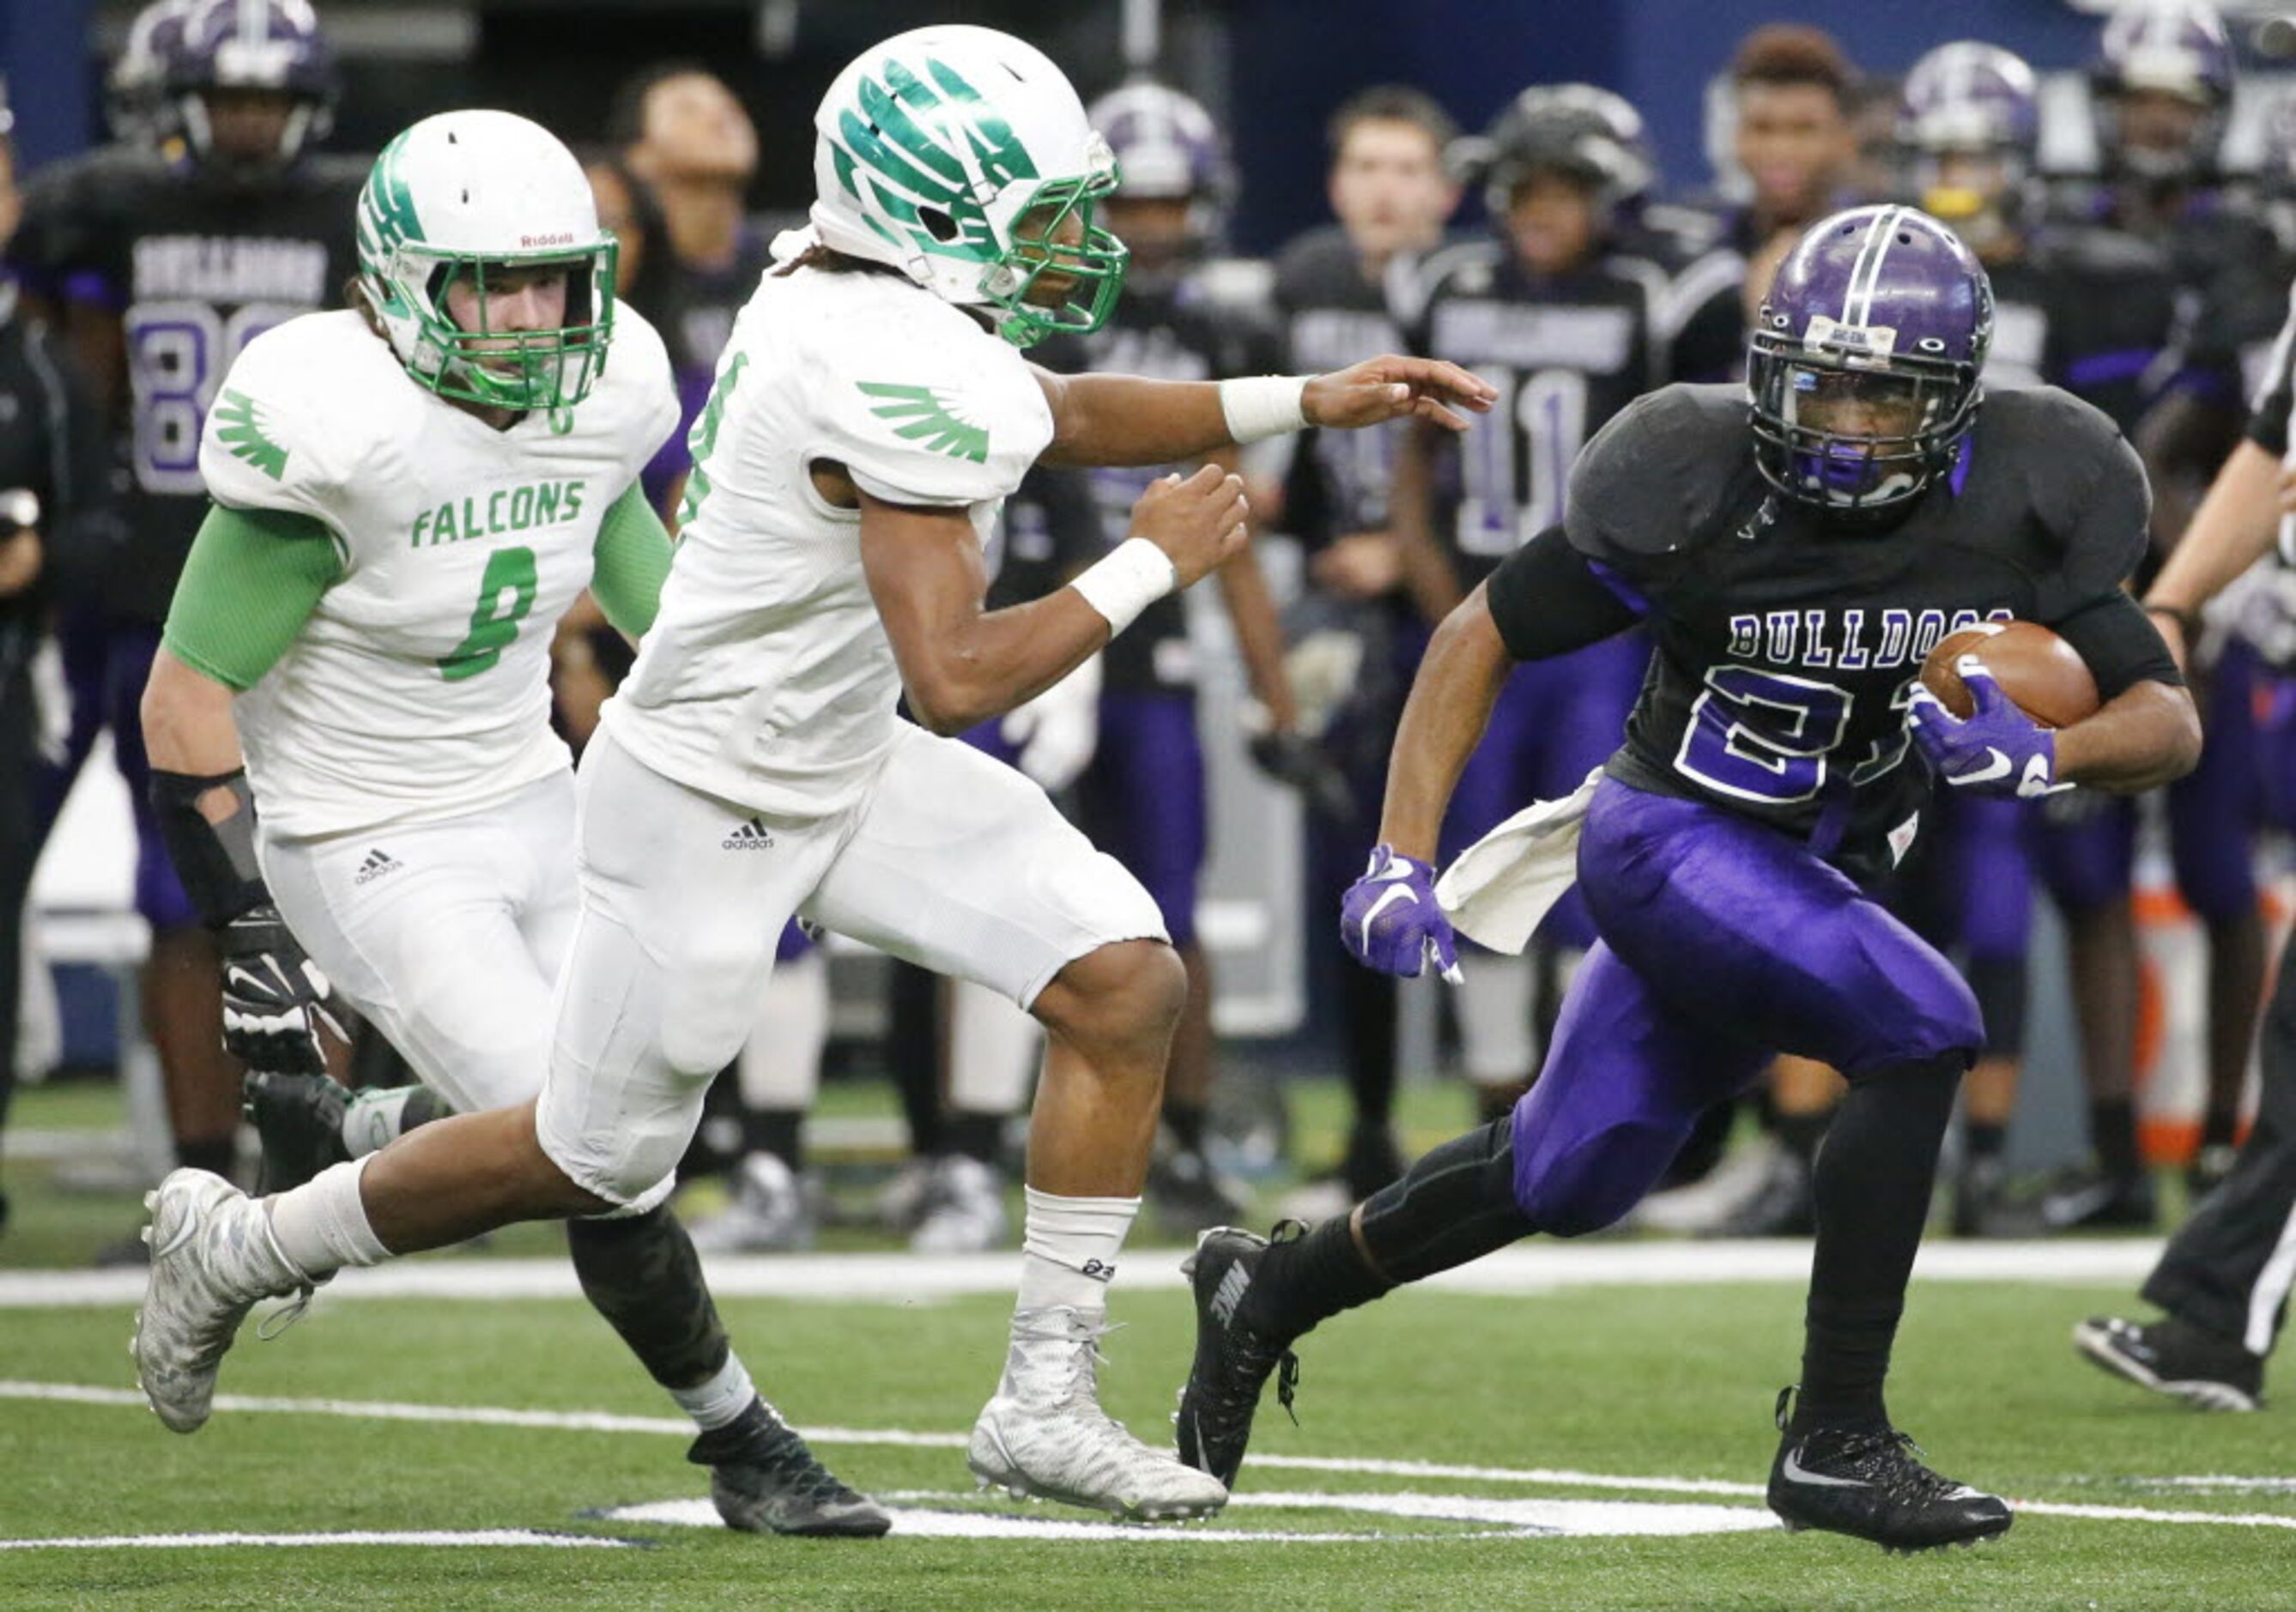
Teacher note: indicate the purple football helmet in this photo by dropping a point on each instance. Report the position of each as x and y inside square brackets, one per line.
[1863, 359]
[1580, 130]
[2177, 48]
[1971, 120]
[208, 46]
[1166, 148]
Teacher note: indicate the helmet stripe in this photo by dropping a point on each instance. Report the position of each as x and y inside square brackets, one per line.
[1858, 306]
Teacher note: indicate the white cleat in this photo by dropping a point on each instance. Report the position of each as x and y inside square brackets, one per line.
[962, 1209]
[1045, 1436]
[772, 1212]
[212, 1257]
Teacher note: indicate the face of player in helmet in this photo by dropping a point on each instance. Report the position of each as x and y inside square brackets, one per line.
[696, 130]
[1856, 432]
[1970, 190]
[247, 128]
[1042, 233]
[1389, 188]
[502, 300]
[1795, 143]
[1160, 232]
[2157, 124]
[1551, 220]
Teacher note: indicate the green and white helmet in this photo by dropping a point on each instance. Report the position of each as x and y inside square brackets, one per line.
[464, 192]
[958, 155]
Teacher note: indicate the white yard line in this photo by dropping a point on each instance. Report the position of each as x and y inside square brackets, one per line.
[905, 1278]
[395, 1536]
[600, 1422]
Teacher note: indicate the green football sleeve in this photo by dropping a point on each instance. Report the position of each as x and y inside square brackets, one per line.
[252, 579]
[632, 558]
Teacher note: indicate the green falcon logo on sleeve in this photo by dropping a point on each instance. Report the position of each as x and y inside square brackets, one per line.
[241, 431]
[931, 420]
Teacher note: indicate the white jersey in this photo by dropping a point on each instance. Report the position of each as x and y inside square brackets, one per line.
[419, 688]
[767, 678]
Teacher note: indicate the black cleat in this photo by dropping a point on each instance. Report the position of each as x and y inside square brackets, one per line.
[2206, 1371]
[299, 1118]
[2089, 1199]
[1233, 1361]
[1189, 1196]
[764, 1480]
[1865, 1482]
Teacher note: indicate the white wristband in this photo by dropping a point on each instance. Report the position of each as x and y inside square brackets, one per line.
[1127, 581]
[1261, 407]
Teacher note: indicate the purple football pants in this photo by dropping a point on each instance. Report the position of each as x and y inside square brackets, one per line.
[1722, 943]
[107, 661]
[1556, 722]
[1143, 798]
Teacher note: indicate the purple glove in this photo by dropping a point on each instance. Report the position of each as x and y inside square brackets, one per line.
[1391, 922]
[1996, 750]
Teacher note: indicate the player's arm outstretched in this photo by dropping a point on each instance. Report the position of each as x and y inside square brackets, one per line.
[251, 580]
[1107, 419]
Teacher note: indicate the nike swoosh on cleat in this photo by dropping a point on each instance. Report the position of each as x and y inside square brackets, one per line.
[1997, 768]
[1794, 1472]
[1387, 899]
[183, 1234]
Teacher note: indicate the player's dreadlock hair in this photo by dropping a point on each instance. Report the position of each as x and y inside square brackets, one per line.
[1792, 52]
[1391, 103]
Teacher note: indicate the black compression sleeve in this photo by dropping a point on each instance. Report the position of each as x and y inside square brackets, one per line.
[215, 863]
[2122, 648]
[1548, 599]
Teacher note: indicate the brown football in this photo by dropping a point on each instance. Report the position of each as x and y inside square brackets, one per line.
[2037, 669]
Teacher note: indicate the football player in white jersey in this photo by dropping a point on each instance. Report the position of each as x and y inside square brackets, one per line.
[870, 414]
[407, 496]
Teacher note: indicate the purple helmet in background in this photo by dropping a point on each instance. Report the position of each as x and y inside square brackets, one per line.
[1168, 149]
[207, 47]
[1863, 359]
[1580, 130]
[135, 91]
[2172, 48]
[1970, 119]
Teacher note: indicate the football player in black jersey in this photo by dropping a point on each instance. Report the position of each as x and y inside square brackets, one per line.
[163, 262]
[1568, 329]
[1793, 563]
[1343, 291]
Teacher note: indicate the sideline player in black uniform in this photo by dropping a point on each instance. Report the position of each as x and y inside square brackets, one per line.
[1343, 291]
[2224, 1280]
[1568, 328]
[163, 264]
[1794, 567]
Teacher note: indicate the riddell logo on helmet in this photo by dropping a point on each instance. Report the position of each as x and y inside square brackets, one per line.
[561, 239]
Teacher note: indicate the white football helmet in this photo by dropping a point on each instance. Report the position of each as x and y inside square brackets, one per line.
[458, 194]
[933, 147]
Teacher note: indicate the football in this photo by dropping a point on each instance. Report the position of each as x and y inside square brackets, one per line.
[2036, 669]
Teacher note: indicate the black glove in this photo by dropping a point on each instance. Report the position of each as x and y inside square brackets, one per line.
[274, 999]
[1294, 759]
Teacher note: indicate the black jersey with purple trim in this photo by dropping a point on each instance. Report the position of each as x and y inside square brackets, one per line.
[1330, 314]
[195, 269]
[1177, 335]
[2090, 310]
[1788, 643]
[1564, 353]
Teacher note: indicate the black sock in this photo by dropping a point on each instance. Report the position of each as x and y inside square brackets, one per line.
[1871, 1186]
[1186, 1122]
[1368, 1018]
[976, 1136]
[1985, 1141]
[1454, 1205]
[780, 1131]
[913, 1052]
[642, 1274]
[2112, 1132]
[215, 1155]
[2219, 1128]
[1800, 1133]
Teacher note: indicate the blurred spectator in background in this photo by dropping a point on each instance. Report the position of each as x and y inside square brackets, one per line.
[1795, 94]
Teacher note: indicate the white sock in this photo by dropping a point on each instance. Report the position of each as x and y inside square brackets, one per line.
[371, 1119]
[1067, 1253]
[779, 1066]
[1495, 1042]
[719, 1402]
[994, 1048]
[322, 1225]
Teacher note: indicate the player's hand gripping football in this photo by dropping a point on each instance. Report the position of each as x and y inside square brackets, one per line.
[1198, 520]
[1996, 750]
[274, 999]
[1391, 388]
[1391, 921]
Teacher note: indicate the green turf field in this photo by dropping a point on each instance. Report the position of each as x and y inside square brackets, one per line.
[1594, 1446]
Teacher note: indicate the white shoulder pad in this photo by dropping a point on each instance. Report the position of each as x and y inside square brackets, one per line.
[640, 386]
[292, 421]
[927, 407]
